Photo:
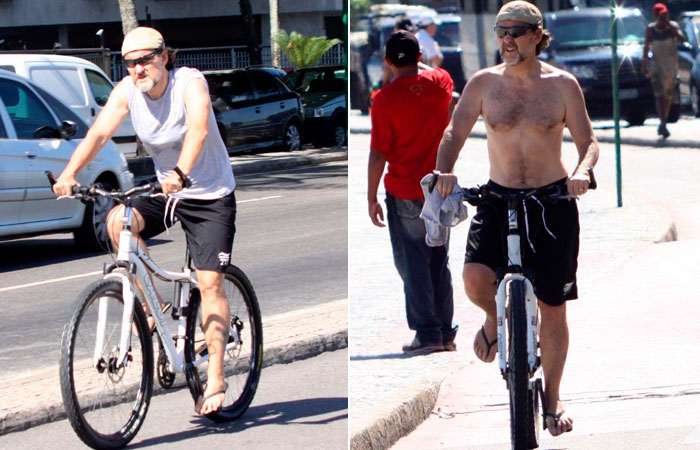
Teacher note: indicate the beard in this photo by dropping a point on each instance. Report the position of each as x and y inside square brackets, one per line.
[146, 84]
[511, 58]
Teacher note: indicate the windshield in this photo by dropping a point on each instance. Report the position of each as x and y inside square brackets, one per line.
[448, 35]
[588, 31]
[323, 80]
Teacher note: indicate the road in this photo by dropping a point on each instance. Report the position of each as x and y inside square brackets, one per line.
[297, 406]
[291, 240]
[631, 377]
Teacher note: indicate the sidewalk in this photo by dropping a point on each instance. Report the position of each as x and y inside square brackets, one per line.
[35, 398]
[142, 168]
[391, 394]
[683, 133]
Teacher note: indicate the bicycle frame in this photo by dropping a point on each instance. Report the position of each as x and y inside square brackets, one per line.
[515, 262]
[137, 263]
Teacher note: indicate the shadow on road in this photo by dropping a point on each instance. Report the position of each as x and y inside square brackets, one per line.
[382, 356]
[293, 412]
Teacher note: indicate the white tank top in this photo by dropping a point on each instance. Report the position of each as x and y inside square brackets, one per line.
[161, 125]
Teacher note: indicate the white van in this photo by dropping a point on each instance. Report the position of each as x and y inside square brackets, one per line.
[77, 82]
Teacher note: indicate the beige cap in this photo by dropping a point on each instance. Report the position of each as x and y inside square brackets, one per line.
[521, 11]
[142, 38]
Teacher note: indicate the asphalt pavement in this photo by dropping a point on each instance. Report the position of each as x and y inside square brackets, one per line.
[32, 397]
[287, 413]
[636, 351]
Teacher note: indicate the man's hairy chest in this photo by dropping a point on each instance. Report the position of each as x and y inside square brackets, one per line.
[539, 107]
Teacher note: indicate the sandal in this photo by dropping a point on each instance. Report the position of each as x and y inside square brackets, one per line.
[201, 399]
[489, 345]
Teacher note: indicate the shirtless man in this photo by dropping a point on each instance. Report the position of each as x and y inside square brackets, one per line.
[525, 104]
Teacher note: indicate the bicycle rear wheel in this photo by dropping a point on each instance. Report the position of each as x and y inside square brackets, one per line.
[242, 362]
[523, 430]
[106, 405]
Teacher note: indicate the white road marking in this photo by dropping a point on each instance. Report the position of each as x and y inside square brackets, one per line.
[259, 199]
[73, 277]
[54, 280]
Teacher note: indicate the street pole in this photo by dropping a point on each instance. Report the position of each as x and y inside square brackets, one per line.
[616, 100]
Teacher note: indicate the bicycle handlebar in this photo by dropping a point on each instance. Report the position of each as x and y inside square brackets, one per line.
[476, 195]
[93, 191]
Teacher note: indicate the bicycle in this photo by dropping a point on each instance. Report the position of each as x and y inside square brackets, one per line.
[107, 376]
[517, 317]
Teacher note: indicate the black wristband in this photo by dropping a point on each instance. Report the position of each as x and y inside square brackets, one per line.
[185, 179]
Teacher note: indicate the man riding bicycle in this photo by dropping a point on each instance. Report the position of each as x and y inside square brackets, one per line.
[525, 104]
[172, 115]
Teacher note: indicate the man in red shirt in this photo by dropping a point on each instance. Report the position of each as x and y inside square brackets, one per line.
[408, 119]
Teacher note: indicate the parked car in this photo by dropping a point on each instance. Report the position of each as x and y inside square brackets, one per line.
[450, 42]
[690, 56]
[254, 109]
[324, 96]
[582, 46]
[77, 82]
[39, 133]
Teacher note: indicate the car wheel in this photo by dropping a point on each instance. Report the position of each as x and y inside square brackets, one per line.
[339, 135]
[695, 99]
[636, 117]
[92, 234]
[292, 137]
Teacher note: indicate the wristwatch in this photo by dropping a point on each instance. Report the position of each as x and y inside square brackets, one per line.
[591, 177]
[186, 182]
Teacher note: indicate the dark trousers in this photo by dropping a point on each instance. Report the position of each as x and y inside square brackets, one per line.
[425, 272]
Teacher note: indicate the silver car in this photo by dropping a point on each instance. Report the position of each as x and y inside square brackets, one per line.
[38, 133]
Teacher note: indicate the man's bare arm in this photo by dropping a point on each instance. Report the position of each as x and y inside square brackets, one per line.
[375, 169]
[112, 115]
[581, 130]
[463, 119]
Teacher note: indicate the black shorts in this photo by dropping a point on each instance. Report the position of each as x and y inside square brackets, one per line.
[554, 260]
[208, 224]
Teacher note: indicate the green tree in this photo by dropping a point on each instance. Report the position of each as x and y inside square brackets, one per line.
[304, 51]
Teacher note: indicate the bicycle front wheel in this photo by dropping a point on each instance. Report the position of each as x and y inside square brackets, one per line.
[244, 350]
[522, 425]
[106, 403]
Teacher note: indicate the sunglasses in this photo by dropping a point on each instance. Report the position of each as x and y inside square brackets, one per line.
[514, 31]
[145, 59]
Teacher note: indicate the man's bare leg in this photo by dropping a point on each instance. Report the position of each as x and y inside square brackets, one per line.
[480, 286]
[215, 313]
[114, 227]
[554, 346]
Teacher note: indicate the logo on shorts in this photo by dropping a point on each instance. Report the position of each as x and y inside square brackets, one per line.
[224, 258]
[567, 287]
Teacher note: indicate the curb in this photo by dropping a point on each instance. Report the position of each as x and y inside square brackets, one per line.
[143, 167]
[399, 422]
[280, 354]
[635, 142]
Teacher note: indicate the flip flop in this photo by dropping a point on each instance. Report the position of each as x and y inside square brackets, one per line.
[200, 401]
[489, 345]
[556, 417]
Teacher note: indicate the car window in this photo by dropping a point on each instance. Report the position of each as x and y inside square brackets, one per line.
[264, 83]
[3, 131]
[64, 113]
[694, 30]
[224, 89]
[328, 80]
[586, 31]
[100, 86]
[26, 111]
[64, 83]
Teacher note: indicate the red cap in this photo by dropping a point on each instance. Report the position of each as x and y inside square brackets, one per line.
[659, 9]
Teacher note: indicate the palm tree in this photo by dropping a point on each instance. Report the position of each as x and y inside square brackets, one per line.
[128, 13]
[304, 51]
[274, 29]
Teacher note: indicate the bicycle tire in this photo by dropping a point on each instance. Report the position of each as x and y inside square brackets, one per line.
[242, 365]
[94, 398]
[518, 370]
